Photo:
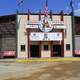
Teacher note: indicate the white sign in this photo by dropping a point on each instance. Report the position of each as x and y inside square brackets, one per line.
[59, 26]
[56, 36]
[46, 25]
[32, 26]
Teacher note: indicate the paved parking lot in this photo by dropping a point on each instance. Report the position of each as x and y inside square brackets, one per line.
[66, 70]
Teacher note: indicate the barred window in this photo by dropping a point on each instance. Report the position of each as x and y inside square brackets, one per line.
[45, 47]
[67, 46]
[22, 47]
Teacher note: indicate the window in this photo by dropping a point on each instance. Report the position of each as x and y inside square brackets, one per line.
[22, 47]
[67, 46]
[45, 47]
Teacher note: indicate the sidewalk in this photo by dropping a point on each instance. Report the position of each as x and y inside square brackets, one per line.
[7, 60]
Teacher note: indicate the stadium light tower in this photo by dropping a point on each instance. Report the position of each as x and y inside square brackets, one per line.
[20, 4]
[73, 26]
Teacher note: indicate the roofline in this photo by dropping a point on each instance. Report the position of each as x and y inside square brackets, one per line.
[8, 15]
[34, 14]
[41, 14]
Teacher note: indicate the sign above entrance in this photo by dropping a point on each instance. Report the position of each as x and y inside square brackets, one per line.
[45, 24]
[59, 26]
[32, 26]
[56, 36]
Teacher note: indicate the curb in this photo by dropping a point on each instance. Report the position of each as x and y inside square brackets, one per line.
[39, 60]
[48, 60]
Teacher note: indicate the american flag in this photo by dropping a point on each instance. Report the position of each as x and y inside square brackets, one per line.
[46, 8]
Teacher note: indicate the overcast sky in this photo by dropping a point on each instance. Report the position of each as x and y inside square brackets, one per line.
[9, 6]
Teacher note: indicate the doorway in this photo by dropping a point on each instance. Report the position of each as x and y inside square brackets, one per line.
[34, 51]
[56, 50]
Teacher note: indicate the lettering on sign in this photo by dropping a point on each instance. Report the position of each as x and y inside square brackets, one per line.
[46, 36]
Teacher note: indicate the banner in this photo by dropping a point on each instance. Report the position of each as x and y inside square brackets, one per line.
[56, 36]
[77, 52]
[9, 53]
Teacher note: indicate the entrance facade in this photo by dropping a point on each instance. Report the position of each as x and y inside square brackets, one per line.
[51, 39]
[47, 29]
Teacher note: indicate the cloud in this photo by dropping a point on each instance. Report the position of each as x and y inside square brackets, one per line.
[77, 12]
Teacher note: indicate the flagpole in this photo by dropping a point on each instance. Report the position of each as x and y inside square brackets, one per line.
[46, 9]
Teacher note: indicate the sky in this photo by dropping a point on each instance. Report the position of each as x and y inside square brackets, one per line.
[10, 6]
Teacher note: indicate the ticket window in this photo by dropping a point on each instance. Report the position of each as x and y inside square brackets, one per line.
[22, 47]
[46, 47]
[68, 47]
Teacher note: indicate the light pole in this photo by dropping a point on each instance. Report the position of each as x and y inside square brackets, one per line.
[73, 27]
